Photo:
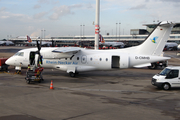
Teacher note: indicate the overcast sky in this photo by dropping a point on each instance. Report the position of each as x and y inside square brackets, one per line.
[64, 17]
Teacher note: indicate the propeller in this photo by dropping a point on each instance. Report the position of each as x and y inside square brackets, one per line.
[38, 52]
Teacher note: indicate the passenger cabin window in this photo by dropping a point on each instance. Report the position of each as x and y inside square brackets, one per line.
[100, 59]
[106, 59]
[173, 74]
[91, 59]
[77, 58]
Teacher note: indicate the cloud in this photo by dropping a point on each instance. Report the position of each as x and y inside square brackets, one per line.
[43, 1]
[36, 33]
[37, 6]
[89, 6]
[48, 1]
[76, 6]
[63, 11]
[176, 1]
[30, 28]
[39, 15]
[60, 11]
[138, 7]
[2, 9]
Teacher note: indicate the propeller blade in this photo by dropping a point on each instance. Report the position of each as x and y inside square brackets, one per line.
[38, 52]
[38, 46]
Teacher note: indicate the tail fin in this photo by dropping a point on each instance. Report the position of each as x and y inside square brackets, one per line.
[155, 42]
[101, 39]
[29, 39]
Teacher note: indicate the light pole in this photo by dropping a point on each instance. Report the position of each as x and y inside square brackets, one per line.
[97, 28]
[116, 31]
[80, 31]
[41, 34]
[44, 34]
[119, 31]
[83, 31]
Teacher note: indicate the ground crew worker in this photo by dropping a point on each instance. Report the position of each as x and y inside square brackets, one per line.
[39, 71]
[29, 68]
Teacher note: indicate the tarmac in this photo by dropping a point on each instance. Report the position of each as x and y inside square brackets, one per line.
[125, 94]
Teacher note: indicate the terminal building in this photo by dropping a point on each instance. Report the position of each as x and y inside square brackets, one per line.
[136, 37]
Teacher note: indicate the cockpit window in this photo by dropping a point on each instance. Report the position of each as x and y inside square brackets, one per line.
[19, 54]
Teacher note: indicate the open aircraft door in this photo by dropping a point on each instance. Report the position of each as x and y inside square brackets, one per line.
[115, 62]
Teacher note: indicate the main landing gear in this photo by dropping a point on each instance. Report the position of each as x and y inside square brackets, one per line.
[71, 74]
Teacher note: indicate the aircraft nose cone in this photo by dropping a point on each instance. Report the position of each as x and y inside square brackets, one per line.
[9, 61]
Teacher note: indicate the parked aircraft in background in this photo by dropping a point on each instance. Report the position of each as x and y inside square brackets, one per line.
[43, 43]
[6, 43]
[74, 59]
[171, 46]
[110, 44]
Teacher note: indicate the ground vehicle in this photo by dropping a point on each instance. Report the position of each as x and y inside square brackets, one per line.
[3, 66]
[34, 75]
[169, 77]
[160, 63]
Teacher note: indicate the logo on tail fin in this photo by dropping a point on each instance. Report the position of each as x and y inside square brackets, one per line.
[101, 39]
[29, 39]
[154, 39]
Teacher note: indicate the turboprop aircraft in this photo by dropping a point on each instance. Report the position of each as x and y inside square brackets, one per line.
[74, 59]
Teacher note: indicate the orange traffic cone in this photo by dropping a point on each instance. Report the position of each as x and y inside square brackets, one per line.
[51, 86]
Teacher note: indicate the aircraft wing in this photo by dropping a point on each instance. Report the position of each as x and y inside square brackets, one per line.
[67, 50]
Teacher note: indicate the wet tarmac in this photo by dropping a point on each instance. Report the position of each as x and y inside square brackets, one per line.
[109, 95]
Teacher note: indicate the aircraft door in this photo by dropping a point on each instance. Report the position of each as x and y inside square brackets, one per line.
[32, 58]
[84, 59]
[115, 62]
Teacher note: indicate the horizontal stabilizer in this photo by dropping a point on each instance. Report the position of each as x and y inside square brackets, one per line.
[67, 50]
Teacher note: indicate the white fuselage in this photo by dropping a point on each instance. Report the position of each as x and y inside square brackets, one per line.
[84, 60]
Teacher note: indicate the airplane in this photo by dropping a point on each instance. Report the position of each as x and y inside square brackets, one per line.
[6, 43]
[43, 43]
[171, 46]
[113, 44]
[74, 59]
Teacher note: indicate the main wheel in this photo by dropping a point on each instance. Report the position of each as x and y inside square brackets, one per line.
[166, 86]
[28, 81]
[153, 66]
[72, 74]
